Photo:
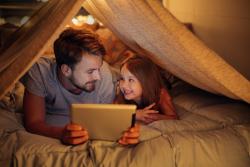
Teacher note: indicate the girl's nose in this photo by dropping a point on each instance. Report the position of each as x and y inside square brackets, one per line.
[123, 84]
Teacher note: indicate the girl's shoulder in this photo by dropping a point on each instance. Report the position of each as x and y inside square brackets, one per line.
[164, 94]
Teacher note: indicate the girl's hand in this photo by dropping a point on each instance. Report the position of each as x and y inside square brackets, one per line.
[131, 136]
[147, 115]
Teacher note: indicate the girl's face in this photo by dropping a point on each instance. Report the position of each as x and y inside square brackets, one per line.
[130, 85]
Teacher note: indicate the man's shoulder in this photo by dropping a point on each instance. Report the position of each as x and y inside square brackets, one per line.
[41, 77]
[105, 87]
[44, 65]
[105, 70]
[43, 70]
[105, 66]
[45, 62]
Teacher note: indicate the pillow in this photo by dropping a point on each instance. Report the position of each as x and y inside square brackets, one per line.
[13, 100]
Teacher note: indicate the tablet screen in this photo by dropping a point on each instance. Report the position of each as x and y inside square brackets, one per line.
[103, 121]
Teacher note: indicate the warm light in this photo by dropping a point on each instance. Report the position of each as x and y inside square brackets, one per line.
[24, 20]
[2, 21]
[90, 20]
[75, 22]
[80, 20]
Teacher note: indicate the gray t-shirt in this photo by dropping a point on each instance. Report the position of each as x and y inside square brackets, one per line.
[42, 80]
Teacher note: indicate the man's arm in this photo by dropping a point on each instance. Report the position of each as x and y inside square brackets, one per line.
[34, 121]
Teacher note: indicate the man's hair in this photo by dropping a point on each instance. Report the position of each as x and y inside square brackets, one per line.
[72, 44]
[150, 78]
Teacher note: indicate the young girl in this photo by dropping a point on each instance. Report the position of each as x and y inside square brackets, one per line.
[141, 84]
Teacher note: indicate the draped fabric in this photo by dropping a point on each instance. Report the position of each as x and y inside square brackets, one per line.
[144, 25]
[148, 28]
[30, 41]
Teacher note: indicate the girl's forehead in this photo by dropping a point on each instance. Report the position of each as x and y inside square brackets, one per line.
[127, 73]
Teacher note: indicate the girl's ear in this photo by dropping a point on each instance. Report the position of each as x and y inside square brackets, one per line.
[66, 70]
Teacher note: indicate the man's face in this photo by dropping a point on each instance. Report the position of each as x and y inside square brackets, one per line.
[86, 73]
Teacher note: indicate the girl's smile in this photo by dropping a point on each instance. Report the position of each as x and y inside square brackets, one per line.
[130, 85]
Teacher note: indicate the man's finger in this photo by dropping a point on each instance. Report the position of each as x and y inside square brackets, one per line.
[136, 128]
[131, 135]
[132, 141]
[122, 142]
[77, 140]
[71, 127]
[77, 133]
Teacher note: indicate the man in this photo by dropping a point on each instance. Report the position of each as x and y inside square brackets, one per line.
[78, 75]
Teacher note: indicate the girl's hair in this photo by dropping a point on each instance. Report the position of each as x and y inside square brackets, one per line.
[149, 76]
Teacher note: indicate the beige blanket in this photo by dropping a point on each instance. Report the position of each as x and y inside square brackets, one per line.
[212, 131]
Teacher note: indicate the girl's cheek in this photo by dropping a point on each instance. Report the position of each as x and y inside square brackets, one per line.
[121, 87]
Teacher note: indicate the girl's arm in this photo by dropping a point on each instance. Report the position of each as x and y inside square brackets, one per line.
[166, 105]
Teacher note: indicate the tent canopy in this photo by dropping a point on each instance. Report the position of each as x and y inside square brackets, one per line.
[145, 26]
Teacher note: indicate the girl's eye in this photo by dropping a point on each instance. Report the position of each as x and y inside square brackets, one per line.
[131, 80]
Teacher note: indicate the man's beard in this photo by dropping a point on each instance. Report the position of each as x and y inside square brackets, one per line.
[84, 87]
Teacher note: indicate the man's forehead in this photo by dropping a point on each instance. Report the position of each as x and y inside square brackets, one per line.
[91, 61]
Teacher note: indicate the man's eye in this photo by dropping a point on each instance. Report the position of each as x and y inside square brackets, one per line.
[90, 71]
[131, 80]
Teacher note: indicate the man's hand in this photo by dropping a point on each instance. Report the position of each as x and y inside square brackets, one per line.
[74, 134]
[131, 136]
[147, 115]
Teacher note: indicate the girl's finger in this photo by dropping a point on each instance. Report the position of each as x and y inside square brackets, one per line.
[149, 120]
[150, 106]
[151, 111]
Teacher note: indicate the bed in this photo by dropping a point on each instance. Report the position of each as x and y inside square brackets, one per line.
[212, 131]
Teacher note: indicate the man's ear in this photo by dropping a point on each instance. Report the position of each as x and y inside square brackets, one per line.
[66, 70]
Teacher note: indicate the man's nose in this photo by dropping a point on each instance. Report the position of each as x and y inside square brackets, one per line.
[97, 75]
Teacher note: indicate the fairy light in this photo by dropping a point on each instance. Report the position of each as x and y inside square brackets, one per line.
[80, 20]
[90, 20]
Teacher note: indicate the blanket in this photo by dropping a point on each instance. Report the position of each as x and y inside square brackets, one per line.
[212, 131]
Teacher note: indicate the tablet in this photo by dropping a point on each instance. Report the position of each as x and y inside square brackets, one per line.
[104, 121]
